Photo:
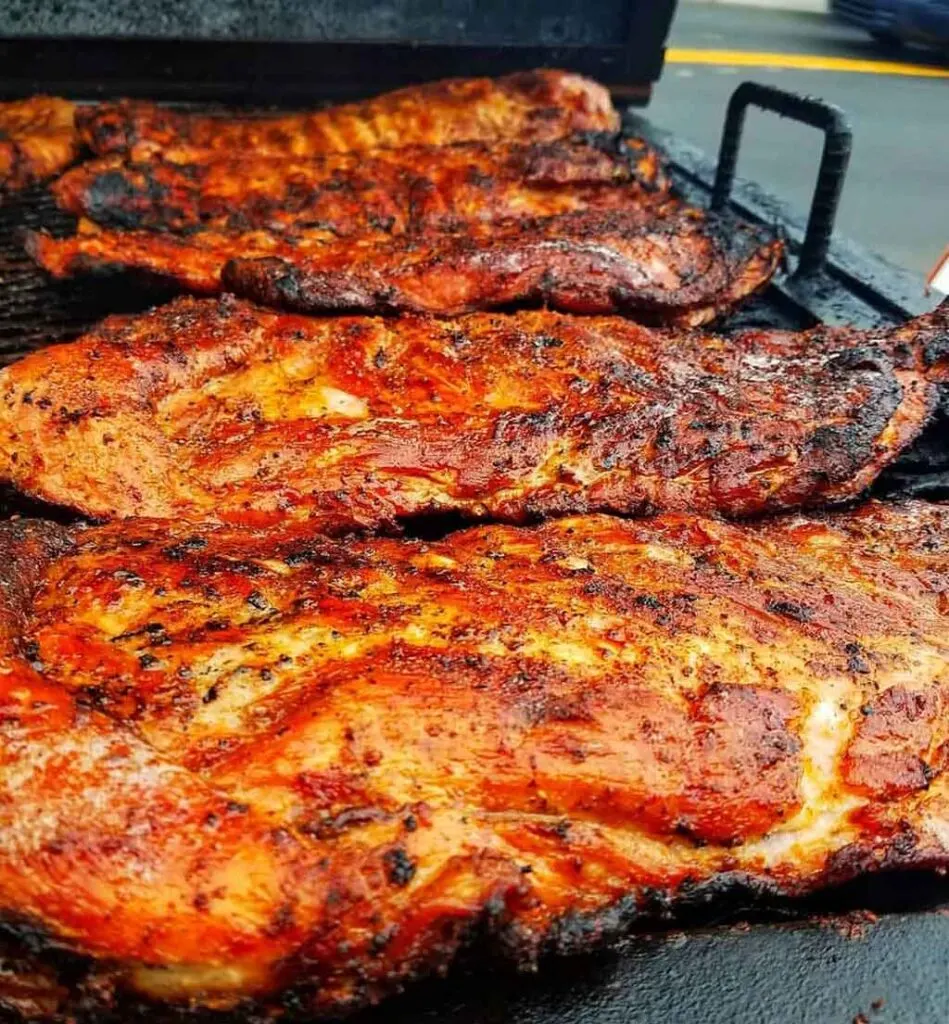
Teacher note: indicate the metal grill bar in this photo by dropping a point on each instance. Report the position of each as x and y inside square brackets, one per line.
[835, 157]
[33, 310]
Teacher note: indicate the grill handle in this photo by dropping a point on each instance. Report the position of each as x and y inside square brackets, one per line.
[838, 142]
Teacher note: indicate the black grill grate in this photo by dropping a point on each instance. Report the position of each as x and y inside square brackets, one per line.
[34, 310]
[31, 311]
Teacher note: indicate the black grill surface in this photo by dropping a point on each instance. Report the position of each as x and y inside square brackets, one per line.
[32, 311]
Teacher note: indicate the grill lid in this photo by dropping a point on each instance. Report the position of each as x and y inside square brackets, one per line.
[300, 49]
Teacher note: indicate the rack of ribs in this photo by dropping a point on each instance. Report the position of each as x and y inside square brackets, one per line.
[391, 190]
[672, 265]
[530, 105]
[38, 139]
[273, 771]
[219, 409]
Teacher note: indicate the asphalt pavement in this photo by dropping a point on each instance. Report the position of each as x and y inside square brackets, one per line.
[896, 199]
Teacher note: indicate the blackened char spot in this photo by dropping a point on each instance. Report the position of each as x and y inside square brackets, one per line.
[841, 450]
[331, 826]
[857, 659]
[866, 357]
[114, 200]
[791, 610]
[178, 551]
[400, 868]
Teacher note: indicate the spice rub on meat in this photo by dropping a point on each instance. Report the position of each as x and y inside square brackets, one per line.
[681, 267]
[38, 139]
[388, 191]
[219, 409]
[676, 265]
[240, 768]
[528, 105]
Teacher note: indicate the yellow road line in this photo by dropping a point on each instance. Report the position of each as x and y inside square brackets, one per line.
[803, 61]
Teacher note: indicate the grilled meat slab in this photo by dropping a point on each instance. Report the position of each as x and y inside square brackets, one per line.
[682, 268]
[301, 772]
[349, 193]
[677, 265]
[38, 139]
[192, 262]
[530, 105]
[220, 409]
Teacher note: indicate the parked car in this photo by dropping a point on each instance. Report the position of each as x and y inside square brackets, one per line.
[896, 21]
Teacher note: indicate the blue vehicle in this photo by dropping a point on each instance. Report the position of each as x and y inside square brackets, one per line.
[897, 21]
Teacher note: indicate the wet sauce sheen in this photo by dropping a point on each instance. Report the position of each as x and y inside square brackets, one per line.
[233, 760]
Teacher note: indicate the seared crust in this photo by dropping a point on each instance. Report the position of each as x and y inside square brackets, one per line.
[584, 224]
[192, 262]
[38, 139]
[242, 764]
[530, 105]
[683, 268]
[389, 191]
[674, 265]
[219, 409]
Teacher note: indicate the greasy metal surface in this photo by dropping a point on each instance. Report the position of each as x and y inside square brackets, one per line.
[892, 971]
